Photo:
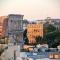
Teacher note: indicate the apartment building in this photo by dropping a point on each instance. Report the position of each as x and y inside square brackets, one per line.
[3, 26]
[34, 30]
[15, 26]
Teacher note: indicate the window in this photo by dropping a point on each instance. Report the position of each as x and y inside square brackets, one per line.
[11, 21]
[35, 30]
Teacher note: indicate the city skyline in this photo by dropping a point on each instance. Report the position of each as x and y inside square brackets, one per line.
[31, 9]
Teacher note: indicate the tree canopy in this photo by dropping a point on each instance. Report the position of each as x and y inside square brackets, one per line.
[53, 39]
[25, 36]
[50, 28]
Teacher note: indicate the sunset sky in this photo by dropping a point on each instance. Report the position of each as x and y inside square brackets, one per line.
[31, 9]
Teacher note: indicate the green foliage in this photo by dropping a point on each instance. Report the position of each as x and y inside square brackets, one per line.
[53, 39]
[52, 36]
[25, 36]
[50, 28]
[39, 40]
[25, 33]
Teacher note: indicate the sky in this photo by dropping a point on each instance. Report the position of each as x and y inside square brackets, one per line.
[31, 9]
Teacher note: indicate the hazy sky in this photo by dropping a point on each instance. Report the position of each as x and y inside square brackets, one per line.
[31, 9]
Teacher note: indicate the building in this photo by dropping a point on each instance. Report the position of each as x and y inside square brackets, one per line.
[3, 26]
[25, 23]
[40, 21]
[15, 27]
[55, 22]
[34, 30]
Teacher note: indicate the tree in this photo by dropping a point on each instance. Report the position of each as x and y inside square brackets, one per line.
[57, 40]
[53, 39]
[39, 40]
[49, 37]
[25, 33]
[25, 36]
[50, 28]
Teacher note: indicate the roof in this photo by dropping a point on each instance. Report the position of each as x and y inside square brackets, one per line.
[15, 15]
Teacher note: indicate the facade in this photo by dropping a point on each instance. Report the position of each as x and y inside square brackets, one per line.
[15, 26]
[53, 21]
[25, 23]
[34, 30]
[15, 22]
[3, 26]
[40, 21]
